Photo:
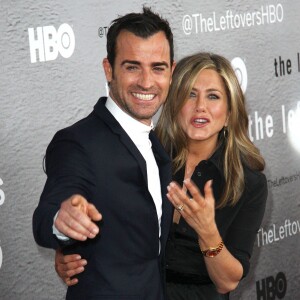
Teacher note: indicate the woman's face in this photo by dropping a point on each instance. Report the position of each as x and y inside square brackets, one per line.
[205, 112]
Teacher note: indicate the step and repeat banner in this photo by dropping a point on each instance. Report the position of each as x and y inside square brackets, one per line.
[51, 76]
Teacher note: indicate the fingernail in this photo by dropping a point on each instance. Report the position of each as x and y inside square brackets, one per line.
[91, 235]
[94, 231]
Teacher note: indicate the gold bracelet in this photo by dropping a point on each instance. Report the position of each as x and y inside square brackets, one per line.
[213, 251]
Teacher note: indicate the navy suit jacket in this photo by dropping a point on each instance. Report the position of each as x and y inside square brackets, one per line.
[96, 159]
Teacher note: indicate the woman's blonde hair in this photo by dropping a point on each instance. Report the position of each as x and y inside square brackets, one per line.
[238, 149]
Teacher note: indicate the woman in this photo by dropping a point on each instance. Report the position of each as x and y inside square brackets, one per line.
[203, 127]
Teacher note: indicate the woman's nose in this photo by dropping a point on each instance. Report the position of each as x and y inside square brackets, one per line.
[200, 105]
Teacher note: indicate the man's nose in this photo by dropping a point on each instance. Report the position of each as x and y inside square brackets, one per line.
[146, 79]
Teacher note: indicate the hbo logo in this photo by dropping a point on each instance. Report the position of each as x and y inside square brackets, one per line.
[240, 70]
[48, 42]
[271, 288]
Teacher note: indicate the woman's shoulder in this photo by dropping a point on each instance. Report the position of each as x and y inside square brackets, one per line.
[255, 193]
[254, 178]
[256, 188]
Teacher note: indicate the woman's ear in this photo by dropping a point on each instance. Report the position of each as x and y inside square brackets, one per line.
[227, 120]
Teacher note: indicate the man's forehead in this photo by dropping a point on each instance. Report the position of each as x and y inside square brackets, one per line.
[155, 48]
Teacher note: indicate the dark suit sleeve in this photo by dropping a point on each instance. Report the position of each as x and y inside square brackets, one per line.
[242, 233]
[68, 172]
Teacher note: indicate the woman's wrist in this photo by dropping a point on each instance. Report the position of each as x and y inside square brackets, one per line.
[210, 238]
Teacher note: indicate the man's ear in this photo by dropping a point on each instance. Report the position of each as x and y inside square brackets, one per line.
[107, 70]
[172, 70]
[173, 66]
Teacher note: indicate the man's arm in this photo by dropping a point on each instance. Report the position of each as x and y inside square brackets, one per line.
[70, 182]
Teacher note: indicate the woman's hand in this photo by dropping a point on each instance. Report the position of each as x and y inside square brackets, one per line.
[198, 211]
[68, 266]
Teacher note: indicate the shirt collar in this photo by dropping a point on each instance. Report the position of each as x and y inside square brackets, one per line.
[217, 159]
[135, 129]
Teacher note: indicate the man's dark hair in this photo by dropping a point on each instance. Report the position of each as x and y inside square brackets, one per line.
[142, 25]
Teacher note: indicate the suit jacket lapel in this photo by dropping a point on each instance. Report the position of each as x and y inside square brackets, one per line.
[165, 171]
[114, 125]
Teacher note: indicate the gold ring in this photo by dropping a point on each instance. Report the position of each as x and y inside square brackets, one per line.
[180, 207]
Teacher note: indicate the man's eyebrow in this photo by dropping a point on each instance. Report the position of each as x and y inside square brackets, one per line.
[161, 63]
[135, 62]
[132, 62]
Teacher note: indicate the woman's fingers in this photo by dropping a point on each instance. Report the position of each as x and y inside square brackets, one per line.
[68, 266]
[208, 191]
[70, 282]
[182, 202]
[176, 196]
[193, 189]
[74, 268]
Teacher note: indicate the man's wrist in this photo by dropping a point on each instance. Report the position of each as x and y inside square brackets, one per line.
[56, 232]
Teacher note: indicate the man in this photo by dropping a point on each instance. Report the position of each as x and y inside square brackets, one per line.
[109, 162]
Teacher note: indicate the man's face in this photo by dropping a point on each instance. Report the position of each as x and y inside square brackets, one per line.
[140, 80]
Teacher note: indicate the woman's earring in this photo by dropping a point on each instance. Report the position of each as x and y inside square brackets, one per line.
[225, 132]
